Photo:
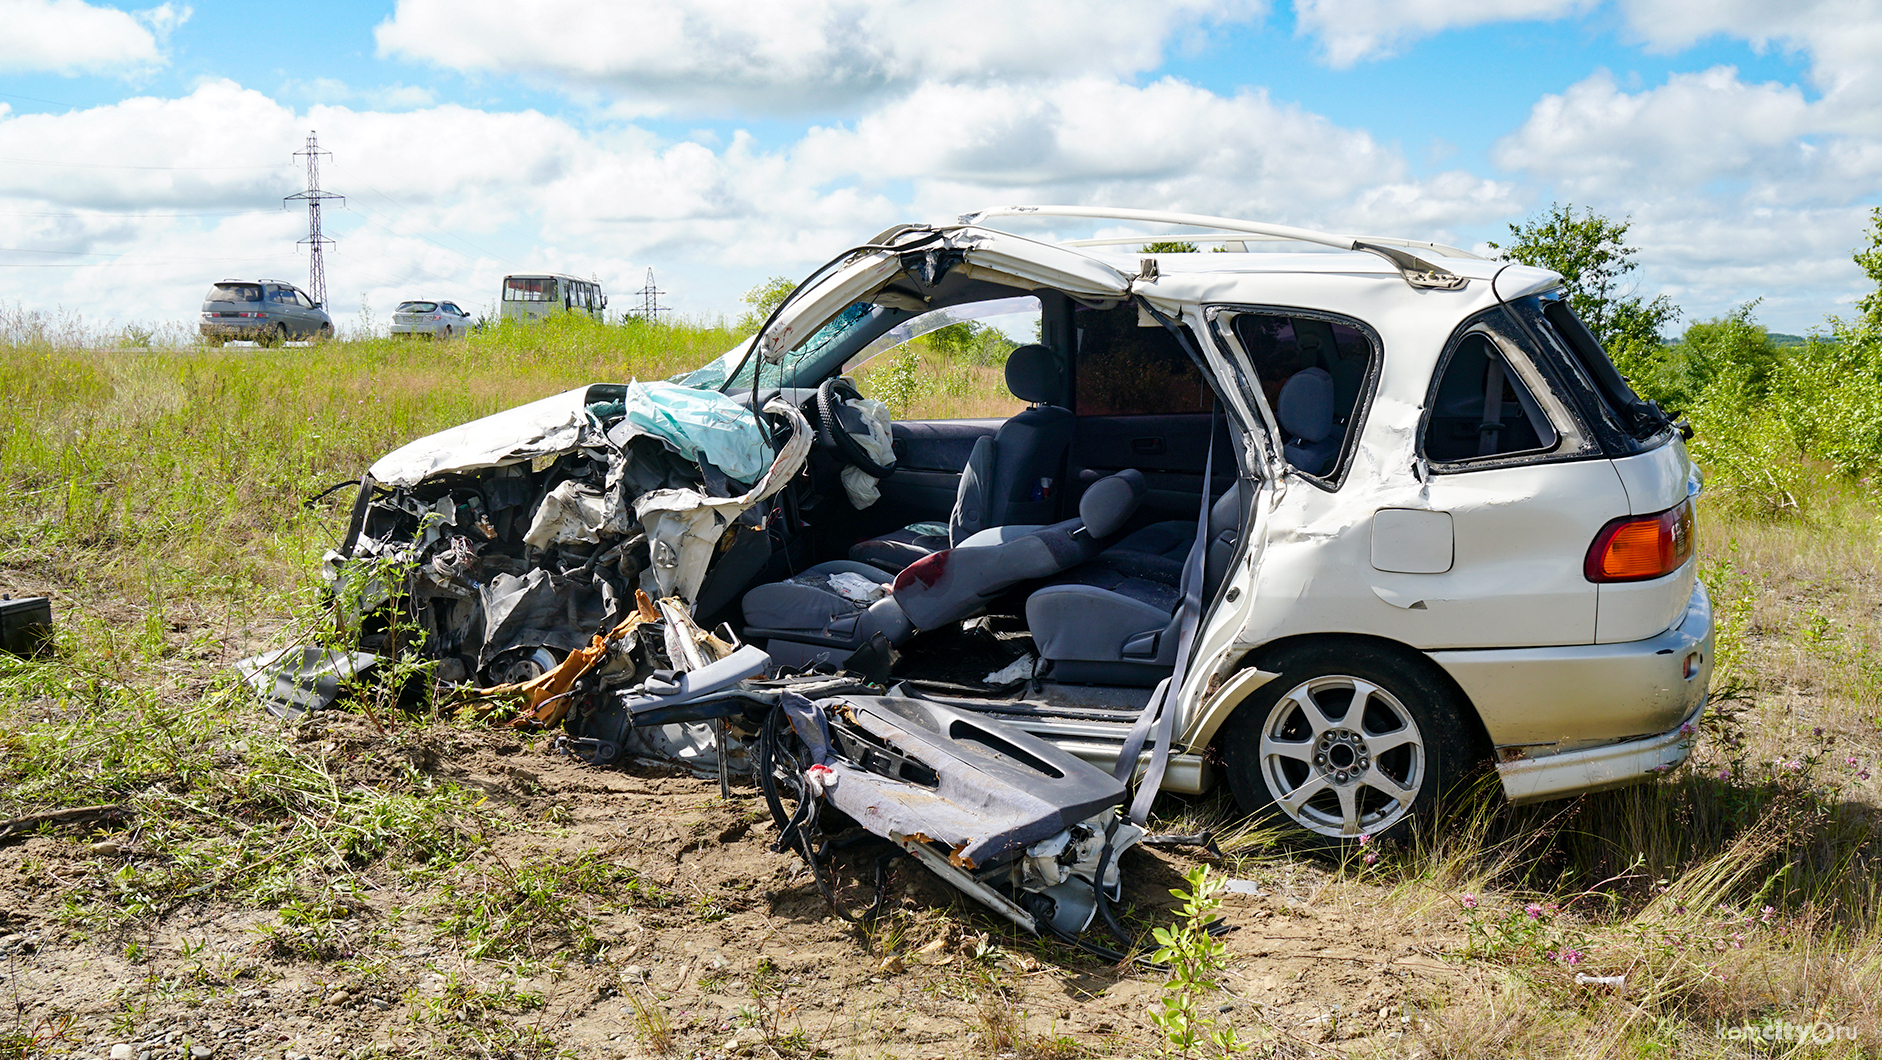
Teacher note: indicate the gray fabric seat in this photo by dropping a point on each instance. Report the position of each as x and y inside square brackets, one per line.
[1112, 620]
[1305, 411]
[807, 619]
[1010, 477]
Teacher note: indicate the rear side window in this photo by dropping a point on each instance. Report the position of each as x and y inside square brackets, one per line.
[1481, 408]
[1637, 422]
[234, 292]
[1124, 368]
[1315, 373]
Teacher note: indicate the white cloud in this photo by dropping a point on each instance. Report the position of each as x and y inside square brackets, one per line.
[793, 55]
[1842, 38]
[71, 36]
[1737, 190]
[1596, 140]
[448, 198]
[1351, 30]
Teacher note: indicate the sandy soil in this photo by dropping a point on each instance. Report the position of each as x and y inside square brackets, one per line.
[739, 927]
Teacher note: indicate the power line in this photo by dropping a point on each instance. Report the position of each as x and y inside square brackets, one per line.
[116, 165]
[110, 215]
[316, 243]
[489, 254]
[147, 263]
[650, 307]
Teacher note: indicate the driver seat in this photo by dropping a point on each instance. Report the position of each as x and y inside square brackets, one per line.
[1010, 477]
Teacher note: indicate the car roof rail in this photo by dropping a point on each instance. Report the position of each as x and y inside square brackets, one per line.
[1416, 270]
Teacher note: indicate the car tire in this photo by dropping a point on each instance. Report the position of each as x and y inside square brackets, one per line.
[447, 333]
[1294, 753]
[325, 334]
[275, 336]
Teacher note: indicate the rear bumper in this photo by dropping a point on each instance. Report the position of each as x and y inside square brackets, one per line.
[1598, 768]
[431, 329]
[1568, 720]
[236, 331]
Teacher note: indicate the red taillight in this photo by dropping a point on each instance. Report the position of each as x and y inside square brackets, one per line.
[1640, 547]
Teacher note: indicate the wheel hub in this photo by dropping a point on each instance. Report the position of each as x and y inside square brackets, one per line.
[1341, 756]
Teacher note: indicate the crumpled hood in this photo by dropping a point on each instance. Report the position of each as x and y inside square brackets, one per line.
[551, 425]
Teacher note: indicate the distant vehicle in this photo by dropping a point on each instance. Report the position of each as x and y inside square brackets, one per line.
[533, 297]
[266, 311]
[431, 318]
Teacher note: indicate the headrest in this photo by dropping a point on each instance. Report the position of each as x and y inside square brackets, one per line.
[1032, 374]
[1110, 501]
[1306, 405]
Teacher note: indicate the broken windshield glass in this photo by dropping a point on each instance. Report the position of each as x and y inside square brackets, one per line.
[713, 375]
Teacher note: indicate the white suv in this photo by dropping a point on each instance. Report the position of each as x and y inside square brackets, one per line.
[1333, 523]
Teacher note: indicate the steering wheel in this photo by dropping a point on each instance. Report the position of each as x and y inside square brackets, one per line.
[832, 433]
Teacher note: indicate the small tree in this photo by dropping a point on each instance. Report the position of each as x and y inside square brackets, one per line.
[1176, 246]
[764, 298]
[1591, 253]
[1869, 260]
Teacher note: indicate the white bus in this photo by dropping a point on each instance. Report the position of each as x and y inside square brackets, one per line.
[535, 296]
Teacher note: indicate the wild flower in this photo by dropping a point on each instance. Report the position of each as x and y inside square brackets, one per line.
[1470, 901]
[1534, 910]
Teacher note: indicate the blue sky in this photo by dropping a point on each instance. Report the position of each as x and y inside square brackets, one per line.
[144, 150]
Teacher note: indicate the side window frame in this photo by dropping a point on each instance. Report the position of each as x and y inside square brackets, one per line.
[1222, 321]
[1075, 354]
[1574, 440]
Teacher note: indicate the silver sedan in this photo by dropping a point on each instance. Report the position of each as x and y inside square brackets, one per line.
[431, 318]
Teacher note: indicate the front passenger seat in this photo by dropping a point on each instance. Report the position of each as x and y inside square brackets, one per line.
[1009, 478]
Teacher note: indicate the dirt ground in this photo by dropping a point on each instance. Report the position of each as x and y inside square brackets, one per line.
[739, 956]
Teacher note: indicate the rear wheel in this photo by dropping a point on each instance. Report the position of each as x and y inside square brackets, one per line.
[447, 332]
[325, 334]
[275, 336]
[1351, 739]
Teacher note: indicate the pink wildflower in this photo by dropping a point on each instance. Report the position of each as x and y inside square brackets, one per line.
[1366, 838]
[1573, 957]
[1371, 858]
[1470, 901]
[1534, 911]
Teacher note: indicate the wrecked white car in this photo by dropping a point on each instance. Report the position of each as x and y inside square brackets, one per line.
[1329, 519]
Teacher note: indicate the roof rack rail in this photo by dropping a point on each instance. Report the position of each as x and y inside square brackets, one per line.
[1417, 271]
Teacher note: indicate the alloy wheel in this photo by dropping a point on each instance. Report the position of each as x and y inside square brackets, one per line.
[1342, 756]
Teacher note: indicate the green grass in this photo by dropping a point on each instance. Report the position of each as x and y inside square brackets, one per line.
[156, 495]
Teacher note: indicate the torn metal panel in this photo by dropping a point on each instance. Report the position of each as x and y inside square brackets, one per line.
[1006, 817]
[295, 680]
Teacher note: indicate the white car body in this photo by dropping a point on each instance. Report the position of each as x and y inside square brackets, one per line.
[1533, 599]
[1578, 685]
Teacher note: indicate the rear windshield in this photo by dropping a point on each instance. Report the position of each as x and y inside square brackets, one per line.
[418, 307]
[530, 289]
[234, 292]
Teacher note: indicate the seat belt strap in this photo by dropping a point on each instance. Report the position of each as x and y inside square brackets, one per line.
[1160, 712]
